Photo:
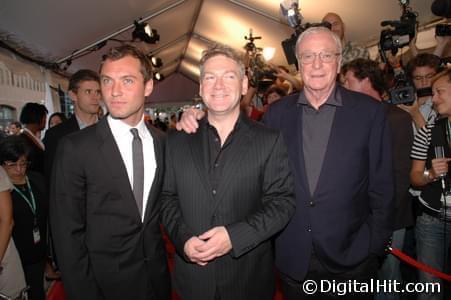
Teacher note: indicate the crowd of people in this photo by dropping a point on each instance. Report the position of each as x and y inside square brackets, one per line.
[315, 184]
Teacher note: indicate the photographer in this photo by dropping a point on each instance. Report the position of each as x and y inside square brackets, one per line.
[421, 69]
[430, 172]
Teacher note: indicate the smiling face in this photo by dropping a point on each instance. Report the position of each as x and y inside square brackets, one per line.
[124, 89]
[442, 96]
[319, 77]
[222, 85]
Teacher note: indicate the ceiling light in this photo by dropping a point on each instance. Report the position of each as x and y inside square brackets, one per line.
[156, 61]
[158, 76]
[144, 33]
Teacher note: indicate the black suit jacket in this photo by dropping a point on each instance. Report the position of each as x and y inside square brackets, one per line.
[104, 249]
[51, 139]
[349, 216]
[402, 139]
[254, 200]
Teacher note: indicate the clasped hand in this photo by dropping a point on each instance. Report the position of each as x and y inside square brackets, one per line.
[207, 246]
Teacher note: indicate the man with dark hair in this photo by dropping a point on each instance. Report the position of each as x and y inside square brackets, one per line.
[421, 69]
[34, 118]
[365, 76]
[84, 90]
[104, 202]
[227, 191]
[14, 128]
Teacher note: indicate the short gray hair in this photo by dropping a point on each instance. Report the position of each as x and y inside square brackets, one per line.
[223, 50]
[315, 30]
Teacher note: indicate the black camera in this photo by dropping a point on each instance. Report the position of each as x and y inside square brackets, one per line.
[443, 30]
[403, 30]
[403, 92]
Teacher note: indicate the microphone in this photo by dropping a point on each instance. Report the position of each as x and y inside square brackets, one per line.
[440, 153]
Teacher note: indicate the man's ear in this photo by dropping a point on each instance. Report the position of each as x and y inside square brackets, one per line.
[148, 87]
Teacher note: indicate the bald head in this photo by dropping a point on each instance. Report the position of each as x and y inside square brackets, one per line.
[338, 26]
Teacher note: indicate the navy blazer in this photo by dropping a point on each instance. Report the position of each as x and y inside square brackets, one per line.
[349, 215]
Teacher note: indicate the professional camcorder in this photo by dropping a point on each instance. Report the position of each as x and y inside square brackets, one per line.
[401, 32]
[261, 75]
[403, 92]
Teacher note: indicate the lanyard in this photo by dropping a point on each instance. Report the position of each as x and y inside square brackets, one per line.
[31, 202]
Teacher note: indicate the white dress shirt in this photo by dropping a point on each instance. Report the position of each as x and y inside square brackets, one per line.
[123, 137]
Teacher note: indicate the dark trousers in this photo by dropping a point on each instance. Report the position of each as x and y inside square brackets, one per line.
[34, 276]
[320, 278]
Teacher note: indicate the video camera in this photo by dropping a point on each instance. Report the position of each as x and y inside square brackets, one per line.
[290, 10]
[262, 75]
[403, 30]
[403, 92]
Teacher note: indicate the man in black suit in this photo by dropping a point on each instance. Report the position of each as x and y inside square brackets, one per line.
[84, 90]
[227, 190]
[365, 76]
[107, 234]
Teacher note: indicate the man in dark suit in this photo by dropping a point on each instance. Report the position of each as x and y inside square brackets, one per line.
[84, 90]
[107, 235]
[227, 190]
[365, 76]
[339, 146]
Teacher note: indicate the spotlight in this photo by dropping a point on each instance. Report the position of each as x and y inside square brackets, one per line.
[158, 76]
[156, 61]
[144, 33]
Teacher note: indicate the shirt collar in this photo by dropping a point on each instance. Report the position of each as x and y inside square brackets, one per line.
[119, 128]
[81, 124]
[334, 98]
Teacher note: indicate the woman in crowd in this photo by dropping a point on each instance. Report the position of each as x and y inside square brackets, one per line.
[430, 158]
[12, 280]
[56, 118]
[30, 210]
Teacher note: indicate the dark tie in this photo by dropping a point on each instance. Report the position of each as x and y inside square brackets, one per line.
[138, 169]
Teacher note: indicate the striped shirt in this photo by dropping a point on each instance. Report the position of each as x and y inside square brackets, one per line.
[421, 143]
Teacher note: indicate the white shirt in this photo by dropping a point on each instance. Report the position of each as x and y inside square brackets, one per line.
[124, 138]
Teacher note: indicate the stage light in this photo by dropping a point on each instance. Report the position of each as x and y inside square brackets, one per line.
[158, 76]
[156, 61]
[144, 33]
[268, 53]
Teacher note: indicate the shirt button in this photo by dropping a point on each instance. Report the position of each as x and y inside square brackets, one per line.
[214, 192]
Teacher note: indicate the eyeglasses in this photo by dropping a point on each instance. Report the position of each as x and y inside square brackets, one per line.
[16, 164]
[427, 76]
[325, 57]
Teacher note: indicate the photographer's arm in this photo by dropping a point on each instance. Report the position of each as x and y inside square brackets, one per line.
[442, 42]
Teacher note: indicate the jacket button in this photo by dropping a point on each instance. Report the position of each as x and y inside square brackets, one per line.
[312, 203]
[214, 192]
[309, 229]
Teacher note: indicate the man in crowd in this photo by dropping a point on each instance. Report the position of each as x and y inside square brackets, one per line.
[228, 189]
[365, 76]
[14, 128]
[350, 50]
[106, 182]
[84, 90]
[339, 145]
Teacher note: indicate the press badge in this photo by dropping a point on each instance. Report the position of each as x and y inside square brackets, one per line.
[36, 235]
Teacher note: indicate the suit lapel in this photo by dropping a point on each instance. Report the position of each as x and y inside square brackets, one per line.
[300, 154]
[200, 154]
[115, 165]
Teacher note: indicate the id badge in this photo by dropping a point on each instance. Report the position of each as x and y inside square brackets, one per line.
[36, 235]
